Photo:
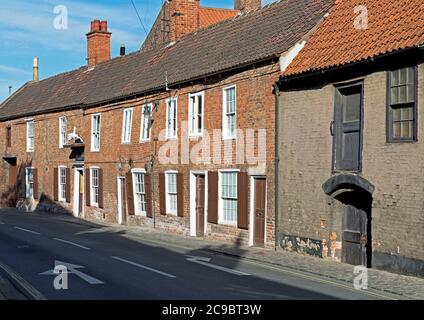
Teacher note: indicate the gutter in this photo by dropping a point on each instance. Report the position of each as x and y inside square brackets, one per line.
[303, 76]
[276, 163]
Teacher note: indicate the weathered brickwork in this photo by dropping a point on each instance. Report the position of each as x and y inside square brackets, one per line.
[395, 169]
[255, 110]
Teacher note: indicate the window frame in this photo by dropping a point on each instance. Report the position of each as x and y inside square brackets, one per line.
[137, 210]
[92, 194]
[142, 129]
[167, 193]
[225, 135]
[220, 198]
[168, 136]
[29, 147]
[62, 135]
[9, 136]
[389, 108]
[59, 187]
[190, 115]
[27, 183]
[126, 126]
[93, 116]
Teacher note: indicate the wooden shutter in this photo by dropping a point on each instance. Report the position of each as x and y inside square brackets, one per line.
[130, 194]
[180, 194]
[35, 180]
[68, 185]
[101, 188]
[56, 184]
[148, 190]
[213, 197]
[243, 200]
[87, 187]
[162, 195]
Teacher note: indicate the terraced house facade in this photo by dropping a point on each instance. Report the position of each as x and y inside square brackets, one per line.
[179, 136]
[351, 138]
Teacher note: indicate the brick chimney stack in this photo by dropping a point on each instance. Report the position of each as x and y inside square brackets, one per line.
[98, 43]
[184, 17]
[247, 5]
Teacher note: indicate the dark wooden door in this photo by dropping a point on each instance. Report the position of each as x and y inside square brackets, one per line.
[354, 246]
[348, 128]
[81, 193]
[200, 205]
[123, 201]
[259, 212]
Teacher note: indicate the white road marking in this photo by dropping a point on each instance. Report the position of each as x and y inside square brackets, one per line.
[72, 269]
[26, 230]
[205, 262]
[144, 267]
[72, 243]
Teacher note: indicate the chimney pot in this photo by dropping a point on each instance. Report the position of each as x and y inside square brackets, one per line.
[95, 25]
[122, 49]
[103, 26]
[35, 69]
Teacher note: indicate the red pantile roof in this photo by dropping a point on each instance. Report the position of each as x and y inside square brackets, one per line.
[210, 16]
[392, 25]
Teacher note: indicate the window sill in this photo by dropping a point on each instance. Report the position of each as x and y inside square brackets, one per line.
[140, 214]
[125, 143]
[145, 141]
[95, 151]
[229, 138]
[171, 138]
[227, 224]
[171, 214]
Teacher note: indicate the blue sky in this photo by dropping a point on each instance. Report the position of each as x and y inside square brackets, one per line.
[26, 31]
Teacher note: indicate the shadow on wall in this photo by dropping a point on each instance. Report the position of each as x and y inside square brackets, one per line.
[47, 204]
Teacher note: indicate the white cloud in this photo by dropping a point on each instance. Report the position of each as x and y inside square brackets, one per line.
[13, 70]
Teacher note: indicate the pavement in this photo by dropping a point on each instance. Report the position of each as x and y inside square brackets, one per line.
[118, 262]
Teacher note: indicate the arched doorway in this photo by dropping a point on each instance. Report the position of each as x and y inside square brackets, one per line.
[355, 195]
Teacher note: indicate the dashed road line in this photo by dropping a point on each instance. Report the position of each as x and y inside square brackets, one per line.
[144, 267]
[72, 243]
[29, 231]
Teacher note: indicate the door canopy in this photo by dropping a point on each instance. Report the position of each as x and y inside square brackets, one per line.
[347, 181]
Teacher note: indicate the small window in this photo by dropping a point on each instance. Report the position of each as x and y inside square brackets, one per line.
[139, 193]
[94, 187]
[229, 124]
[62, 131]
[95, 133]
[62, 184]
[30, 136]
[196, 114]
[29, 181]
[127, 125]
[9, 137]
[171, 192]
[146, 123]
[171, 118]
[228, 198]
[402, 123]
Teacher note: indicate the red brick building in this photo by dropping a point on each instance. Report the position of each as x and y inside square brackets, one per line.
[179, 137]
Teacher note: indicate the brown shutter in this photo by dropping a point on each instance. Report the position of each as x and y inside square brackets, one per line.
[162, 199]
[213, 197]
[148, 190]
[180, 194]
[35, 177]
[243, 200]
[68, 185]
[56, 184]
[101, 189]
[130, 194]
[87, 187]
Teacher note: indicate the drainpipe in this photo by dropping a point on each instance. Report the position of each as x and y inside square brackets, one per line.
[276, 161]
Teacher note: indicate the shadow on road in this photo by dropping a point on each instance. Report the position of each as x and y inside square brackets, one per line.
[201, 273]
